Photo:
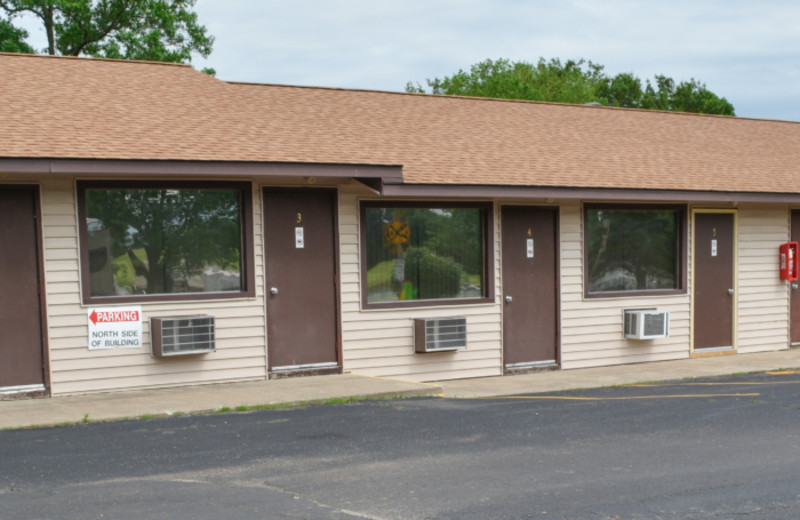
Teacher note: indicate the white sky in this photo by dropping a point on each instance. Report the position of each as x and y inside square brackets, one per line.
[746, 51]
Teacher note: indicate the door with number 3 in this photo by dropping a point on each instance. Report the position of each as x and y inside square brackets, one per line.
[300, 258]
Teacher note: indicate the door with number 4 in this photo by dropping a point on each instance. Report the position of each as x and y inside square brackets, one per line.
[530, 287]
[300, 257]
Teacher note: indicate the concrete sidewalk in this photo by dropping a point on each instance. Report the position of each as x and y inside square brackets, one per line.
[203, 398]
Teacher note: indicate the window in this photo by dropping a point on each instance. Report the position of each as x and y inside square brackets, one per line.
[634, 249]
[424, 253]
[164, 240]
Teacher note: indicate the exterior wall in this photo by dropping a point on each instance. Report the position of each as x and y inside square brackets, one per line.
[381, 343]
[591, 329]
[240, 330]
[763, 299]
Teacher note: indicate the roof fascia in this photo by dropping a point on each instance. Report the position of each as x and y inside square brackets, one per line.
[598, 194]
[113, 168]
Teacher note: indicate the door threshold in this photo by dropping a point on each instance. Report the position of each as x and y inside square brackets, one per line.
[8, 393]
[21, 389]
[312, 369]
[532, 366]
[713, 351]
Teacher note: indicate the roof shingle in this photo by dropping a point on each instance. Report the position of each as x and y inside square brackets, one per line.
[55, 107]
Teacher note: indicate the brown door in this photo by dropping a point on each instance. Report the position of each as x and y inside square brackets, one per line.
[713, 281]
[21, 347]
[300, 257]
[795, 293]
[530, 287]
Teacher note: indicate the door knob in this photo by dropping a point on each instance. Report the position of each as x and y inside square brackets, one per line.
[795, 286]
[508, 299]
[273, 290]
[730, 291]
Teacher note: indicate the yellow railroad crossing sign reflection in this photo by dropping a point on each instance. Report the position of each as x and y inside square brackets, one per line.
[396, 233]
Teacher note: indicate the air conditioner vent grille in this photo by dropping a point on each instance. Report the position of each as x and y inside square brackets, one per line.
[646, 324]
[175, 336]
[440, 334]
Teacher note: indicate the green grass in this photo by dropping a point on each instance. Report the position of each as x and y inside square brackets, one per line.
[123, 268]
[380, 275]
[224, 409]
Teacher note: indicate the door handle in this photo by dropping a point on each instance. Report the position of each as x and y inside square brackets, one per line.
[795, 286]
[730, 291]
[508, 299]
[273, 290]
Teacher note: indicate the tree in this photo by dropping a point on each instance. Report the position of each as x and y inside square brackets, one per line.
[167, 236]
[575, 81]
[12, 39]
[157, 30]
[545, 81]
[687, 96]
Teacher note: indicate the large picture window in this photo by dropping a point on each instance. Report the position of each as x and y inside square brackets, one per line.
[417, 253]
[164, 240]
[633, 249]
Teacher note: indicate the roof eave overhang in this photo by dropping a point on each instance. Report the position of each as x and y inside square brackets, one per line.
[372, 175]
[583, 194]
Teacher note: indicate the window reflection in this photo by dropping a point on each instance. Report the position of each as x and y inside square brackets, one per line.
[632, 249]
[163, 241]
[424, 253]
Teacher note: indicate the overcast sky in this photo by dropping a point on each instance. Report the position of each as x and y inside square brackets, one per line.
[745, 51]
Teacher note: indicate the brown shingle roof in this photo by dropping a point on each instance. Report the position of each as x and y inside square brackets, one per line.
[105, 109]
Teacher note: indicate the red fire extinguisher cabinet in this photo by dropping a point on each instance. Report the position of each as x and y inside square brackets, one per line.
[788, 261]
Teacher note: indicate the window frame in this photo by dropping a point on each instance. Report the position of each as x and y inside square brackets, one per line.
[246, 240]
[487, 223]
[681, 262]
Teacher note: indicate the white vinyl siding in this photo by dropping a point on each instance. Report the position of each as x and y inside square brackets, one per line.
[381, 342]
[74, 368]
[763, 298]
[591, 328]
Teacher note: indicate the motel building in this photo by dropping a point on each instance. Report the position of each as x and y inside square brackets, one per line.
[161, 227]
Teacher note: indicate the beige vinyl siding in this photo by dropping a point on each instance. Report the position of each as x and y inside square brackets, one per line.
[240, 331]
[763, 298]
[381, 343]
[591, 328]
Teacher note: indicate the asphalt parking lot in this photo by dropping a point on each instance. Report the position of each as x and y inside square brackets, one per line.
[702, 448]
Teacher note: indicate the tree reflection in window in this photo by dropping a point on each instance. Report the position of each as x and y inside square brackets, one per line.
[632, 249]
[163, 241]
[416, 253]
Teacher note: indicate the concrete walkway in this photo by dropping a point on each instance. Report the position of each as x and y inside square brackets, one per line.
[204, 398]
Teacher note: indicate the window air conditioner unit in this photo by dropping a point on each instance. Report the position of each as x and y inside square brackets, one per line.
[182, 335]
[646, 324]
[440, 334]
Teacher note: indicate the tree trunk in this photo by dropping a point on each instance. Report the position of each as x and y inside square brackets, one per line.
[50, 29]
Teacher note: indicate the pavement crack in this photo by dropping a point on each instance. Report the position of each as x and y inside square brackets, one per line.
[299, 496]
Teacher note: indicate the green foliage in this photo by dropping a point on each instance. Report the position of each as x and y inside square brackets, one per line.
[12, 39]
[157, 30]
[167, 235]
[380, 275]
[434, 276]
[451, 239]
[631, 249]
[575, 81]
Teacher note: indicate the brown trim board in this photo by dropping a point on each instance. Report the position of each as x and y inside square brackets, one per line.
[488, 232]
[114, 167]
[247, 238]
[681, 248]
[581, 193]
